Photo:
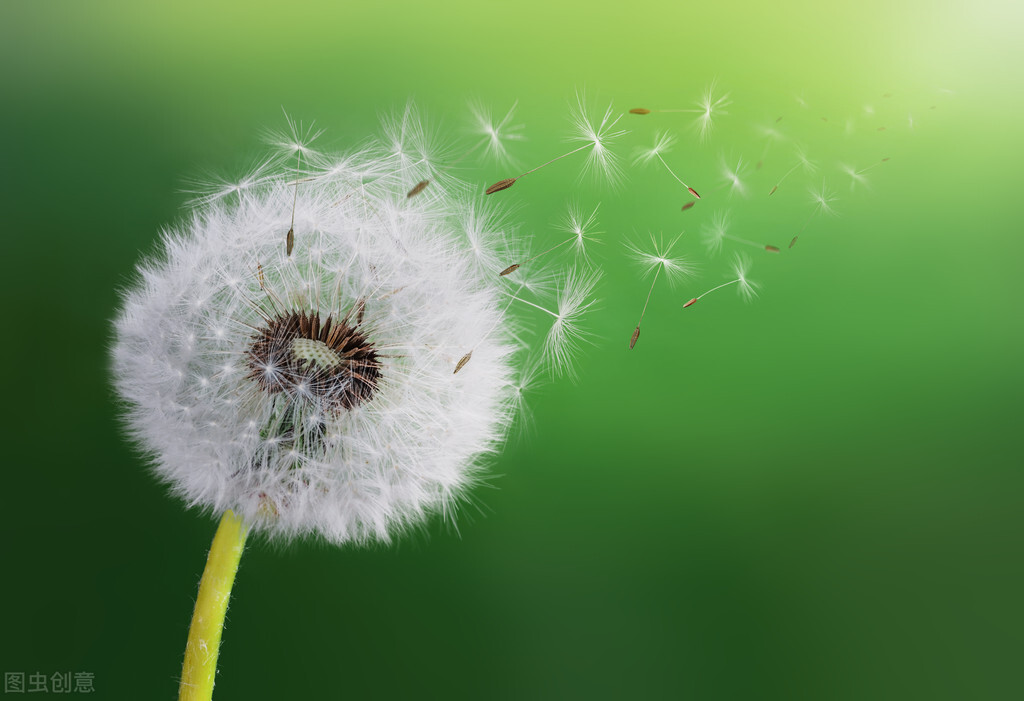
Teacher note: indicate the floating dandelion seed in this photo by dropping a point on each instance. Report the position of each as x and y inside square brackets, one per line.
[595, 135]
[663, 142]
[822, 198]
[573, 299]
[732, 176]
[746, 287]
[708, 107]
[656, 260]
[802, 161]
[494, 134]
[718, 230]
[577, 224]
[771, 135]
[859, 177]
[293, 143]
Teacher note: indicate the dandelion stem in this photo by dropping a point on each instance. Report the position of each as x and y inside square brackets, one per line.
[200, 667]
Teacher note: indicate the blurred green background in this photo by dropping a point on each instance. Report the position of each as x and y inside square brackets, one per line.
[814, 496]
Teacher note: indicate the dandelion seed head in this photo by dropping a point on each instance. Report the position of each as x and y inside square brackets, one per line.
[823, 197]
[733, 175]
[581, 225]
[314, 394]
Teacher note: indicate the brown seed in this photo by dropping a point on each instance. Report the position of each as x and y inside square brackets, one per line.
[793, 241]
[771, 249]
[462, 361]
[290, 241]
[636, 335]
[418, 188]
[510, 269]
[500, 185]
[639, 110]
[759, 164]
[885, 159]
[260, 277]
[693, 192]
[692, 301]
[688, 205]
[779, 119]
[881, 128]
[773, 190]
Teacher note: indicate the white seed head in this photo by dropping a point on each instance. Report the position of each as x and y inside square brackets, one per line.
[315, 394]
[581, 226]
[663, 142]
[710, 105]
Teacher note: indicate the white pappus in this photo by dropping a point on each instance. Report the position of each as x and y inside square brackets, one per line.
[322, 387]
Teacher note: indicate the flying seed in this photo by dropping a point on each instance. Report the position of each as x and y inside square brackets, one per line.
[688, 205]
[290, 241]
[771, 249]
[500, 185]
[260, 277]
[773, 190]
[418, 188]
[636, 335]
[881, 128]
[793, 242]
[639, 110]
[462, 361]
[510, 269]
[693, 192]
[779, 119]
[692, 301]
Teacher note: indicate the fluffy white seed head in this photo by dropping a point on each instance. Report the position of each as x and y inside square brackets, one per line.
[600, 133]
[657, 256]
[314, 393]
[746, 287]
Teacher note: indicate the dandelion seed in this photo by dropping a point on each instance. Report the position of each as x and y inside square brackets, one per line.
[595, 135]
[656, 260]
[688, 205]
[494, 134]
[859, 177]
[717, 231]
[663, 143]
[708, 107]
[746, 287]
[733, 177]
[580, 228]
[771, 135]
[822, 198]
[462, 361]
[802, 161]
[295, 142]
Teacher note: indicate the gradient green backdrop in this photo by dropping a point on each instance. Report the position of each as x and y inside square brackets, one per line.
[816, 496]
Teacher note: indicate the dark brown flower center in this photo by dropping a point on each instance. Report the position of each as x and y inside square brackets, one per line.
[332, 362]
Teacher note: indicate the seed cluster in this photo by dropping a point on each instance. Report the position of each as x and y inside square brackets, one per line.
[332, 362]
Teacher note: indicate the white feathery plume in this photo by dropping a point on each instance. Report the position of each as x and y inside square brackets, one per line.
[344, 388]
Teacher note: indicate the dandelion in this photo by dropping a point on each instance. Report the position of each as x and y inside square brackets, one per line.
[495, 135]
[822, 199]
[707, 108]
[718, 230]
[656, 260]
[802, 161]
[577, 224]
[595, 135]
[663, 143]
[746, 287]
[345, 389]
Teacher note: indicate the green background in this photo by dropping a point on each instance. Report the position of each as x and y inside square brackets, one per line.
[814, 496]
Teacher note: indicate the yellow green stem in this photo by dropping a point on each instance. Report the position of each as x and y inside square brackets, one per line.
[200, 668]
